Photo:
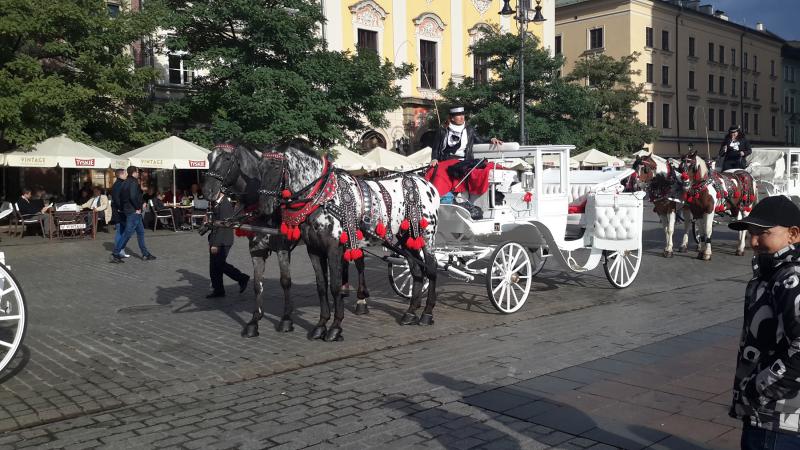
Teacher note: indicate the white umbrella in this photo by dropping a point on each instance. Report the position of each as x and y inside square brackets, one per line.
[555, 160]
[389, 160]
[596, 158]
[421, 157]
[352, 161]
[170, 153]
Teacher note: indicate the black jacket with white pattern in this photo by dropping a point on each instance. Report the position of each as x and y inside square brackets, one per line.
[765, 391]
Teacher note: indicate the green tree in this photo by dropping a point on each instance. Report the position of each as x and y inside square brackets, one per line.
[264, 75]
[67, 67]
[555, 110]
[617, 129]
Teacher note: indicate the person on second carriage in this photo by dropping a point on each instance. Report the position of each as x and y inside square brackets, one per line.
[735, 149]
[451, 158]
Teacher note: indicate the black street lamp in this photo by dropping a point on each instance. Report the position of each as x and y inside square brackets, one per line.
[523, 20]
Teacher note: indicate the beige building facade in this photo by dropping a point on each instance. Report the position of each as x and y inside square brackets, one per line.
[701, 72]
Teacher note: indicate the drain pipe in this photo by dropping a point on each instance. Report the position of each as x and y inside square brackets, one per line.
[677, 79]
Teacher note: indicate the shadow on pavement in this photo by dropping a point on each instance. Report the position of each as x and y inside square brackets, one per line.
[16, 365]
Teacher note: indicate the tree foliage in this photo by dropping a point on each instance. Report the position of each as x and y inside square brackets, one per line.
[264, 76]
[66, 67]
[558, 110]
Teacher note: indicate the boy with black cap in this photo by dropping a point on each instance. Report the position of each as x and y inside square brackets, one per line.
[767, 381]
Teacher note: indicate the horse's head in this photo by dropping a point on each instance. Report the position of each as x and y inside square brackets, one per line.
[274, 176]
[290, 170]
[223, 171]
[646, 169]
[693, 169]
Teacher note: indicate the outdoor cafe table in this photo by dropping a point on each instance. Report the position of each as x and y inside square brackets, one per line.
[72, 224]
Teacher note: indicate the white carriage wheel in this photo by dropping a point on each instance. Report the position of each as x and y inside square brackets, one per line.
[401, 280]
[13, 316]
[621, 267]
[509, 277]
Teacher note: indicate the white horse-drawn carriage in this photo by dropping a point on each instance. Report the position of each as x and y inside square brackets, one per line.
[532, 215]
[776, 170]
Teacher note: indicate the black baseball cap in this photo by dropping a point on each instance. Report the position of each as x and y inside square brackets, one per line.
[778, 210]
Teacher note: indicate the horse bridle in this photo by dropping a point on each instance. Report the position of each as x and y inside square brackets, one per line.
[223, 188]
[281, 184]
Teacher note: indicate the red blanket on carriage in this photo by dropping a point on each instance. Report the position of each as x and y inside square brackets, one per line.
[477, 181]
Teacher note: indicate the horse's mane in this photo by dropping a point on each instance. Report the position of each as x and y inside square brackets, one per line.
[701, 167]
[300, 144]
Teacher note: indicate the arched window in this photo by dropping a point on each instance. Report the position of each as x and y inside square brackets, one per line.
[372, 139]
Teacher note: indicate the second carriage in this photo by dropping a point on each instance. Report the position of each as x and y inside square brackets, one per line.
[531, 214]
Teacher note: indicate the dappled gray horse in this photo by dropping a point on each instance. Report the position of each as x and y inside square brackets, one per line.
[335, 213]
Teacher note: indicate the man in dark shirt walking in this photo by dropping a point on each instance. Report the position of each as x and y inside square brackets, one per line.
[131, 201]
[220, 242]
[117, 216]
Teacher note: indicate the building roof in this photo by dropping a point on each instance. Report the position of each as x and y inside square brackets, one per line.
[677, 5]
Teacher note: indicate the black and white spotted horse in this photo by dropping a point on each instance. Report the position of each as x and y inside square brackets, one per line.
[335, 213]
[707, 193]
[236, 171]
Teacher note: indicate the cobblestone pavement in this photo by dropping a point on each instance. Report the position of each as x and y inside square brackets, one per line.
[133, 355]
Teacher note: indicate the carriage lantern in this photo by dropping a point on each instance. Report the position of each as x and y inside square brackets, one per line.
[527, 181]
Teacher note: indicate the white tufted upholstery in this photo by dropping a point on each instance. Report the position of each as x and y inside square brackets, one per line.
[615, 225]
[577, 191]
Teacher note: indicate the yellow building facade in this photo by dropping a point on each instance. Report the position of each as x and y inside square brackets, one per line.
[701, 72]
[433, 35]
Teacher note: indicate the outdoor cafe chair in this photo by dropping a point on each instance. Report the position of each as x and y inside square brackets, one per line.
[24, 222]
[163, 215]
[199, 211]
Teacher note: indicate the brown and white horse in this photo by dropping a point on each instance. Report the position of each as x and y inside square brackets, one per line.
[656, 176]
[706, 193]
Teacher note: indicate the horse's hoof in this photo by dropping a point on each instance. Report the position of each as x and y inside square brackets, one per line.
[706, 257]
[334, 335]
[684, 249]
[739, 252]
[426, 319]
[286, 326]
[361, 309]
[250, 330]
[409, 319]
[667, 254]
[318, 332]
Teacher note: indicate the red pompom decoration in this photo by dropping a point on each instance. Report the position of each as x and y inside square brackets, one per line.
[286, 193]
[736, 194]
[296, 233]
[405, 225]
[380, 230]
[684, 176]
[423, 223]
[359, 235]
[343, 238]
[348, 255]
[284, 228]
[719, 194]
[357, 253]
[527, 197]
[420, 242]
[410, 243]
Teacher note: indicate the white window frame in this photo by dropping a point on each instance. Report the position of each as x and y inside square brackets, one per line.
[370, 16]
[602, 29]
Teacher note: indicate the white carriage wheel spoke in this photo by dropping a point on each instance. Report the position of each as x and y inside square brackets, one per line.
[501, 272]
[629, 265]
[6, 344]
[511, 293]
[520, 266]
[616, 265]
[514, 293]
[4, 318]
[405, 282]
[502, 293]
[514, 261]
[497, 277]
[502, 283]
[624, 265]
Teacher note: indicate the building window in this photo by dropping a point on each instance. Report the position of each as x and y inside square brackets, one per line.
[651, 114]
[691, 118]
[691, 46]
[722, 54]
[744, 59]
[733, 117]
[595, 38]
[367, 40]
[786, 134]
[711, 118]
[791, 105]
[721, 85]
[721, 124]
[665, 75]
[649, 73]
[744, 89]
[665, 115]
[772, 95]
[755, 91]
[711, 83]
[558, 45]
[755, 123]
[427, 62]
[113, 9]
[664, 40]
[179, 73]
[648, 37]
[733, 56]
[772, 67]
[691, 79]
[755, 63]
[773, 122]
[791, 136]
[733, 87]
[785, 73]
[711, 51]
[481, 69]
[786, 103]
[746, 124]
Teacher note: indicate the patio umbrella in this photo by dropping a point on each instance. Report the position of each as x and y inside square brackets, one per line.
[596, 158]
[352, 161]
[420, 158]
[389, 160]
[170, 153]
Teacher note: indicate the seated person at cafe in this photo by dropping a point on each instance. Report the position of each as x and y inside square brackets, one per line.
[452, 159]
[150, 194]
[31, 208]
[99, 203]
[195, 192]
[160, 207]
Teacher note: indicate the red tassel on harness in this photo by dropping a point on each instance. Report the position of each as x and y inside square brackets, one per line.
[343, 238]
[685, 176]
[719, 194]
[359, 235]
[296, 233]
[380, 229]
[348, 255]
[423, 223]
[405, 225]
[284, 229]
[528, 197]
[286, 193]
[357, 253]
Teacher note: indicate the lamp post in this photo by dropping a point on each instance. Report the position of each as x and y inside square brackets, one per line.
[522, 25]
